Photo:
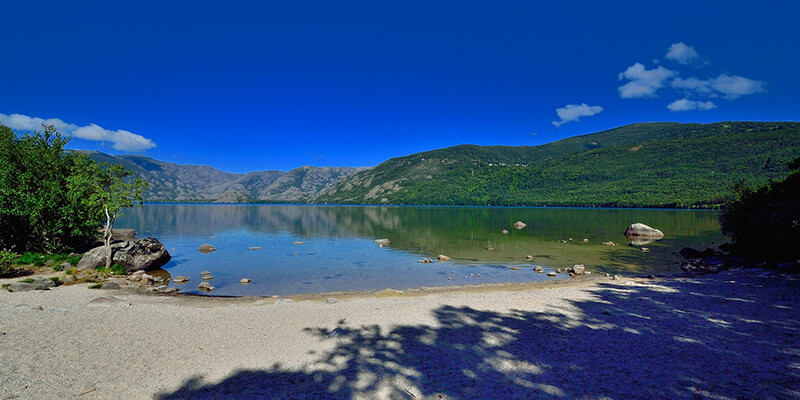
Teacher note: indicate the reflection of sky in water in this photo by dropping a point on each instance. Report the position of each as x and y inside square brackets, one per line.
[339, 253]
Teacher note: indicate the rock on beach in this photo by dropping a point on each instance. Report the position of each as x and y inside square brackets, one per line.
[136, 255]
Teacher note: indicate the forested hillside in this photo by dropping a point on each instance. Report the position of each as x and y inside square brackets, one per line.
[640, 165]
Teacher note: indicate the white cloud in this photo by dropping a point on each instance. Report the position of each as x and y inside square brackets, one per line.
[690, 105]
[726, 86]
[734, 86]
[643, 82]
[26, 123]
[574, 112]
[683, 54]
[120, 139]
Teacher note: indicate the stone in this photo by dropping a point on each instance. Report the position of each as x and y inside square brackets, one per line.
[205, 286]
[123, 234]
[205, 273]
[529, 257]
[381, 241]
[331, 300]
[110, 286]
[443, 257]
[254, 248]
[645, 250]
[577, 269]
[520, 225]
[68, 280]
[551, 273]
[609, 244]
[298, 243]
[207, 277]
[642, 230]
[513, 268]
[65, 266]
[505, 232]
[244, 280]
[180, 279]
[538, 269]
[39, 283]
[615, 277]
[585, 240]
[206, 248]
[134, 255]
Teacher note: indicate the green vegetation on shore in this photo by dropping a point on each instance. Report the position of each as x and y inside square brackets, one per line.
[640, 165]
[764, 223]
[54, 201]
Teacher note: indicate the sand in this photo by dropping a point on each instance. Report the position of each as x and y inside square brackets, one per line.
[721, 336]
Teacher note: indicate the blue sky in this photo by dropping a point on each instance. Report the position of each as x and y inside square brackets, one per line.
[245, 86]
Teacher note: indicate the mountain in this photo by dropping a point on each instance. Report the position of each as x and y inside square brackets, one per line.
[639, 165]
[170, 182]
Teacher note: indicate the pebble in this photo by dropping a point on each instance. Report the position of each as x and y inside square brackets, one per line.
[551, 273]
[615, 277]
[207, 277]
[513, 268]
[505, 232]
[244, 280]
[538, 269]
[331, 300]
[255, 248]
[645, 250]
[298, 243]
[180, 279]
[529, 257]
[443, 257]
[205, 273]
[205, 286]
[206, 248]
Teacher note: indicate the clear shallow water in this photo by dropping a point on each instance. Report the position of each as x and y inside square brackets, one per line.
[339, 254]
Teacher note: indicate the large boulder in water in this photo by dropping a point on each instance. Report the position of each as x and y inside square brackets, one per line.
[136, 255]
[639, 230]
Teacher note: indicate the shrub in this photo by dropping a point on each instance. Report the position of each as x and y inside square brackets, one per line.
[7, 259]
[764, 223]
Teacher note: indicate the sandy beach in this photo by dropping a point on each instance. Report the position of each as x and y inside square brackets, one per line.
[731, 335]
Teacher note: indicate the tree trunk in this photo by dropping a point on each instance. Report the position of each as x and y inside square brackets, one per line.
[107, 232]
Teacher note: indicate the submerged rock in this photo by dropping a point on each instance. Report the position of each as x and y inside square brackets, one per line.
[443, 257]
[206, 248]
[520, 225]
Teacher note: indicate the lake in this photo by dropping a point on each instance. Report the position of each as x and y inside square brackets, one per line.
[339, 253]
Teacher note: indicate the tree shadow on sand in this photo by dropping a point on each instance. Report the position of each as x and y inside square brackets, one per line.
[731, 335]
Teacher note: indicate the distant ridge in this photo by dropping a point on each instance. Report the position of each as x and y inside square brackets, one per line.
[170, 182]
[661, 164]
[638, 165]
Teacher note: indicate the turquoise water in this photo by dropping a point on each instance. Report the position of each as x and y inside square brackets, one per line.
[339, 253]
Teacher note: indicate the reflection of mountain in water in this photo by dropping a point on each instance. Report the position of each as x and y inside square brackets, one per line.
[462, 232]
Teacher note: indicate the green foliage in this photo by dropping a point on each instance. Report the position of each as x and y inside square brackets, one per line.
[51, 200]
[96, 286]
[56, 280]
[116, 269]
[26, 280]
[765, 222]
[7, 260]
[641, 165]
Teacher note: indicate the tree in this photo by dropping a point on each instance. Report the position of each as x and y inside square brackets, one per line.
[114, 193]
[765, 222]
[53, 200]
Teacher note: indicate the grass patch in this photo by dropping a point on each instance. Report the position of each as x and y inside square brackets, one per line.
[56, 280]
[95, 286]
[116, 269]
[26, 280]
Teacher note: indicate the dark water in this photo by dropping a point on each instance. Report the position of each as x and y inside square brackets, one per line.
[339, 253]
